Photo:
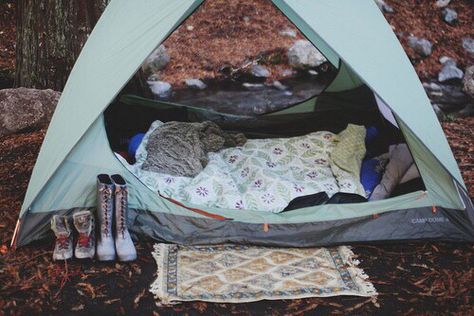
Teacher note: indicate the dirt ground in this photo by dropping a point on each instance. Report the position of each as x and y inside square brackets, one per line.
[248, 29]
[431, 278]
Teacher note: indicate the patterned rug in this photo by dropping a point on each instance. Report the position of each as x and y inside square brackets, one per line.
[235, 273]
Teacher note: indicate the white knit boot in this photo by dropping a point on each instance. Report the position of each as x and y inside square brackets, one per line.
[105, 208]
[123, 242]
[84, 222]
[63, 245]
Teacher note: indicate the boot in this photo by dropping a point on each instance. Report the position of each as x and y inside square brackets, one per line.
[84, 223]
[123, 242]
[63, 245]
[105, 209]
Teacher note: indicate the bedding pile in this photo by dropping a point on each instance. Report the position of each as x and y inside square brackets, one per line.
[263, 174]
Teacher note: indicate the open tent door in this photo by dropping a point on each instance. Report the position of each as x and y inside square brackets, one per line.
[75, 151]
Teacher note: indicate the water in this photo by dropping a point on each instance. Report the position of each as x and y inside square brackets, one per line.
[233, 97]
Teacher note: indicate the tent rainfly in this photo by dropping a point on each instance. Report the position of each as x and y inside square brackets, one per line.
[352, 35]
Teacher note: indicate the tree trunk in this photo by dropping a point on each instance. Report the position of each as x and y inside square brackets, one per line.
[50, 35]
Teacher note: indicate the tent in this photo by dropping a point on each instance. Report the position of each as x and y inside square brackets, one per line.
[352, 35]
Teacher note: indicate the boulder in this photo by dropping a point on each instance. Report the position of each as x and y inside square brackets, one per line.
[288, 32]
[154, 77]
[468, 44]
[26, 109]
[448, 97]
[157, 60]
[450, 71]
[196, 84]
[253, 86]
[161, 89]
[280, 86]
[384, 7]
[468, 110]
[442, 3]
[421, 46]
[260, 71]
[439, 113]
[468, 81]
[450, 16]
[302, 54]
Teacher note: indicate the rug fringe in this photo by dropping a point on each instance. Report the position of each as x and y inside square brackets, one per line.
[157, 288]
[349, 257]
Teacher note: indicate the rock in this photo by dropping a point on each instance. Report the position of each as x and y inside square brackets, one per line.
[445, 60]
[468, 81]
[280, 86]
[450, 71]
[468, 44]
[442, 3]
[260, 71]
[196, 84]
[385, 8]
[450, 16]
[468, 110]
[288, 33]
[160, 88]
[439, 113]
[431, 86]
[26, 109]
[189, 27]
[287, 73]
[157, 60]
[421, 46]
[154, 77]
[253, 86]
[304, 55]
[313, 72]
[449, 97]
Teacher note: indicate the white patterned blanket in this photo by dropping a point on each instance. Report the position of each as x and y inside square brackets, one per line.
[263, 175]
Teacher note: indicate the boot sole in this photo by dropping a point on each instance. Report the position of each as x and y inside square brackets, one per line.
[106, 258]
[90, 256]
[127, 259]
[62, 259]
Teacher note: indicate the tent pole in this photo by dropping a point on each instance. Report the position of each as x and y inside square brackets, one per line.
[15, 234]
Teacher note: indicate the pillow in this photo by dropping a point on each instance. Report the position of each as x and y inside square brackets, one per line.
[371, 134]
[371, 173]
[134, 143]
[350, 149]
[400, 161]
[346, 158]
[412, 173]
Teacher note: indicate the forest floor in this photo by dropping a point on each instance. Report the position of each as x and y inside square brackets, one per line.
[247, 30]
[411, 278]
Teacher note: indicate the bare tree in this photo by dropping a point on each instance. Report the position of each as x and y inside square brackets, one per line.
[50, 35]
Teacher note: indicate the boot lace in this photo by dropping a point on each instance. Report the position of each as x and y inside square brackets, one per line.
[105, 205]
[63, 242]
[83, 239]
[123, 205]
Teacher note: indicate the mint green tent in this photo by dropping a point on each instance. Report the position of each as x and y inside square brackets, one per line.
[355, 38]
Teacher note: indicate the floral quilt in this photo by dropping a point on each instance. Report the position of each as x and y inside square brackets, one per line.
[262, 175]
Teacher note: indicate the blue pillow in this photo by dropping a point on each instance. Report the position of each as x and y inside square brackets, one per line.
[134, 142]
[370, 175]
[371, 134]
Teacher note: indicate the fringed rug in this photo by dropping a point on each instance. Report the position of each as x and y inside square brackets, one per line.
[235, 273]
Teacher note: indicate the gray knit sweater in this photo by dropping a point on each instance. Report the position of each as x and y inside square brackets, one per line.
[180, 148]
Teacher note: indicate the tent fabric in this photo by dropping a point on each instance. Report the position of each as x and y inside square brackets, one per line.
[124, 36]
[76, 148]
[350, 28]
